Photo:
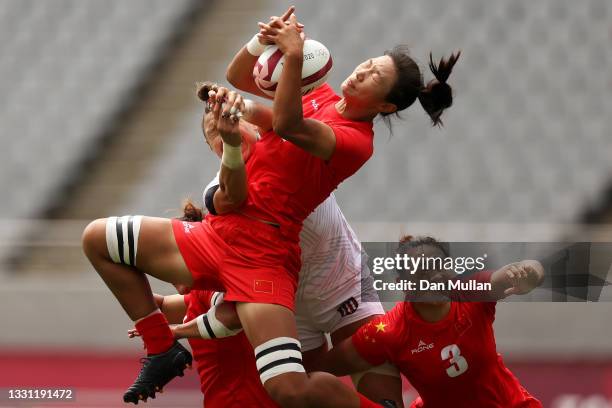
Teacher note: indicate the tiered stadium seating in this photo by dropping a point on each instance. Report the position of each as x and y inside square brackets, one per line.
[67, 67]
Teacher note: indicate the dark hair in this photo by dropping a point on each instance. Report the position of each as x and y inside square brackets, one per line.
[435, 97]
[191, 213]
[408, 242]
[202, 89]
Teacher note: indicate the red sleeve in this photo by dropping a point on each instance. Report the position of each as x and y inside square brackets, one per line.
[488, 308]
[354, 146]
[373, 341]
[203, 297]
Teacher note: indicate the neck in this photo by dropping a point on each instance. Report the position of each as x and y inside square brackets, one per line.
[432, 312]
[353, 112]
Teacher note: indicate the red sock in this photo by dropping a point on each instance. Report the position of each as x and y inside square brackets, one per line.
[155, 333]
[366, 403]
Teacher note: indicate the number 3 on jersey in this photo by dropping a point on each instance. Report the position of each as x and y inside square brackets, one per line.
[458, 364]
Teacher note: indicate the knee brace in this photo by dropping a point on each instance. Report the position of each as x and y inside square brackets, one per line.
[122, 238]
[278, 356]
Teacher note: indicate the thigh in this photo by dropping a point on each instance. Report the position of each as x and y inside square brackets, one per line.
[311, 357]
[158, 254]
[264, 321]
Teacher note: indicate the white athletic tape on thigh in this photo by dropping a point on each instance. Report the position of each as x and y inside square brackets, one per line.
[122, 238]
[278, 356]
[210, 327]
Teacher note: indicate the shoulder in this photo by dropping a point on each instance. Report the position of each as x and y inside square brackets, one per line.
[380, 339]
[389, 325]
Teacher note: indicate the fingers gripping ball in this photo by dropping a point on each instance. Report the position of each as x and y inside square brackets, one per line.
[316, 68]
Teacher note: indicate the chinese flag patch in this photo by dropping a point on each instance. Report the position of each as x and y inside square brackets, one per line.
[263, 286]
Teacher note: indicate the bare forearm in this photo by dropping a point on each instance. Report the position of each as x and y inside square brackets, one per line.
[288, 115]
[232, 189]
[240, 71]
[187, 330]
[172, 306]
[258, 114]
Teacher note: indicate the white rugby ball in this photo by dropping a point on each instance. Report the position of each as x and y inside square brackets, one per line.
[269, 65]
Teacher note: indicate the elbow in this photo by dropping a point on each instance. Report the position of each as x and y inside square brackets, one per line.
[237, 200]
[230, 76]
[231, 203]
[283, 128]
[279, 129]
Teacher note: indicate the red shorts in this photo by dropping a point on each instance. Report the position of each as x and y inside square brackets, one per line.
[247, 259]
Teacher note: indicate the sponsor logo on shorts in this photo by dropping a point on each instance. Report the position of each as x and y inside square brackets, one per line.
[188, 227]
[315, 105]
[348, 307]
[263, 286]
[422, 347]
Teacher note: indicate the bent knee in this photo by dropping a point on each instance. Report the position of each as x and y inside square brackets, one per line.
[287, 392]
[93, 239]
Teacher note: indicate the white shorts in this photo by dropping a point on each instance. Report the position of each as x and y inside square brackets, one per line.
[350, 302]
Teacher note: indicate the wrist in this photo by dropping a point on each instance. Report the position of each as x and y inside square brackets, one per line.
[294, 55]
[232, 156]
[254, 47]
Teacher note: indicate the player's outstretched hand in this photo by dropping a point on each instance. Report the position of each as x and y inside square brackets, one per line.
[133, 333]
[287, 35]
[275, 21]
[523, 277]
[227, 107]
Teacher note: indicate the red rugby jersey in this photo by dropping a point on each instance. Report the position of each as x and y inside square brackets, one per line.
[285, 183]
[228, 374]
[451, 363]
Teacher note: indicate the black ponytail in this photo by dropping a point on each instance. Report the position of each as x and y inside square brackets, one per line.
[437, 95]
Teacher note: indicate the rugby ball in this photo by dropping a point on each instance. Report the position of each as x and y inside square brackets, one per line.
[269, 65]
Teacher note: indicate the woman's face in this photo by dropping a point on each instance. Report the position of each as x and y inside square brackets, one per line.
[371, 81]
[433, 274]
[214, 141]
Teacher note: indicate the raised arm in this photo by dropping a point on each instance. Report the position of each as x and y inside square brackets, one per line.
[288, 120]
[173, 306]
[240, 71]
[517, 278]
[232, 190]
